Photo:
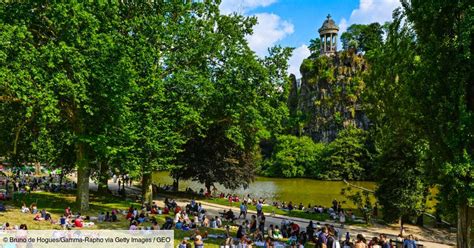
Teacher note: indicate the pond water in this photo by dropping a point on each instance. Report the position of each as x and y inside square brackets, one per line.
[307, 191]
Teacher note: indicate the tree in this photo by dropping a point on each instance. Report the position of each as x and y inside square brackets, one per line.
[296, 157]
[361, 199]
[401, 158]
[315, 47]
[62, 64]
[362, 37]
[246, 103]
[347, 154]
[429, 56]
[445, 93]
[170, 56]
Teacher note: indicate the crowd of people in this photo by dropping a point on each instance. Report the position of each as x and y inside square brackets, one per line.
[27, 182]
[252, 231]
[255, 231]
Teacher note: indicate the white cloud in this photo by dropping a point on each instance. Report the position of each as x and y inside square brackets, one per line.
[269, 30]
[369, 11]
[242, 6]
[342, 25]
[299, 54]
[374, 11]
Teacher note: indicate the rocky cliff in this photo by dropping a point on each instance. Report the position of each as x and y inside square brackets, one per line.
[328, 98]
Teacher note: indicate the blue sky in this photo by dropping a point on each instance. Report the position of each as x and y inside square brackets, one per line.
[294, 22]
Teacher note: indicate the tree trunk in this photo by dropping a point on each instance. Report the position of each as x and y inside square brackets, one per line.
[419, 220]
[147, 190]
[103, 178]
[61, 176]
[83, 173]
[465, 219]
[37, 168]
[176, 184]
[400, 221]
[208, 186]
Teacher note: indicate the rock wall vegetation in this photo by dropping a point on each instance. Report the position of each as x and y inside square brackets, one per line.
[328, 137]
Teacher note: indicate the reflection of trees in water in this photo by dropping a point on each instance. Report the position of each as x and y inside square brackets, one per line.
[279, 189]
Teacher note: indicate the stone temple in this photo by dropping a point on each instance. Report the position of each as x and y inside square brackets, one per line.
[328, 34]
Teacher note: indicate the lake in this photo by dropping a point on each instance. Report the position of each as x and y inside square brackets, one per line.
[307, 191]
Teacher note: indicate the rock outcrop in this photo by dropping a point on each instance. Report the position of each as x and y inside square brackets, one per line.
[329, 97]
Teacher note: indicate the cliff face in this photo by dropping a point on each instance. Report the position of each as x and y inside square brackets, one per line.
[329, 95]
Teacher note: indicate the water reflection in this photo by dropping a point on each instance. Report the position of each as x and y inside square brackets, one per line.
[306, 191]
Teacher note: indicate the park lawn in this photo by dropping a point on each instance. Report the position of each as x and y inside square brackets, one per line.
[55, 203]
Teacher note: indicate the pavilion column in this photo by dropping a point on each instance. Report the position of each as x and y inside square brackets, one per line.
[325, 42]
[321, 44]
[331, 43]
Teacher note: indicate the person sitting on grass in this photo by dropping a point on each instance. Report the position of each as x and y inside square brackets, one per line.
[268, 243]
[229, 215]
[258, 235]
[205, 222]
[68, 211]
[113, 217]
[183, 244]
[141, 218]
[270, 231]
[409, 242]
[34, 208]
[38, 217]
[179, 224]
[63, 221]
[218, 222]
[277, 233]
[6, 226]
[213, 223]
[243, 241]
[133, 225]
[198, 243]
[78, 222]
[154, 225]
[154, 208]
[24, 208]
[101, 217]
[129, 215]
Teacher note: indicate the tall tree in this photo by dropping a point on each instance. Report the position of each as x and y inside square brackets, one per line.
[62, 64]
[444, 90]
[247, 101]
[429, 56]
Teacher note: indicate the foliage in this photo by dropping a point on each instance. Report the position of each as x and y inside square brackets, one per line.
[361, 199]
[247, 103]
[296, 157]
[315, 47]
[429, 89]
[401, 154]
[445, 93]
[362, 38]
[132, 87]
[347, 155]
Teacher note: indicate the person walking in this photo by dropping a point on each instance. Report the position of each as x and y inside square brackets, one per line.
[243, 210]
